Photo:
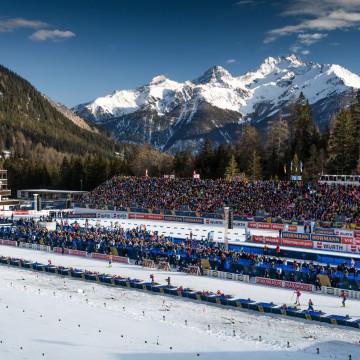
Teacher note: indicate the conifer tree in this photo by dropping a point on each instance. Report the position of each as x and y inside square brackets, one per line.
[232, 169]
[342, 147]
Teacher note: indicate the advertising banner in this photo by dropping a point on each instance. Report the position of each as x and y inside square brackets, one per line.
[353, 249]
[266, 239]
[298, 236]
[327, 238]
[8, 242]
[324, 231]
[340, 232]
[121, 259]
[174, 218]
[298, 243]
[121, 216]
[269, 282]
[240, 224]
[193, 220]
[284, 284]
[295, 285]
[350, 240]
[329, 246]
[78, 216]
[146, 216]
[215, 222]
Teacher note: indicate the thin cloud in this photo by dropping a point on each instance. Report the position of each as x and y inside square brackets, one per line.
[305, 52]
[245, 2]
[53, 35]
[231, 61]
[325, 15]
[309, 39]
[10, 25]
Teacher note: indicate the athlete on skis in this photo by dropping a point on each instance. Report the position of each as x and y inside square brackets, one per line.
[343, 296]
[298, 294]
[311, 305]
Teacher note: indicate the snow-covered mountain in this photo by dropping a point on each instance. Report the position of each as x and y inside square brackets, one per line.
[175, 116]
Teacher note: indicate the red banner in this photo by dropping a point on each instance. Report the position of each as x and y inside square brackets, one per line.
[266, 239]
[146, 216]
[8, 242]
[266, 226]
[298, 243]
[121, 259]
[277, 226]
[349, 240]
[292, 228]
[295, 285]
[70, 251]
[269, 282]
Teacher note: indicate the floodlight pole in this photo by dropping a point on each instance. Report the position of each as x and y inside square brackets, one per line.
[226, 226]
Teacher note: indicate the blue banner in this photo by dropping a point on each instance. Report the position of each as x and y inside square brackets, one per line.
[298, 236]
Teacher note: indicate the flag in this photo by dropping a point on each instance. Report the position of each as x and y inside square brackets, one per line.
[291, 165]
[285, 168]
[301, 166]
[146, 173]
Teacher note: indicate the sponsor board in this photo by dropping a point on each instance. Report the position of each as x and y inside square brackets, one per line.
[340, 232]
[78, 216]
[292, 228]
[268, 282]
[283, 284]
[266, 239]
[103, 216]
[350, 240]
[329, 246]
[327, 238]
[301, 286]
[193, 220]
[8, 242]
[277, 226]
[174, 218]
[70, 251]
[330, 291]
[252, 225]
[146, 216]
[298, 236]
[77, 253]
[264, 226]
[215, 222]
[121, 216]
[324, 231]
[353, 249]
[298, 243]
[21, 212]
[240, 224]
[121, 259]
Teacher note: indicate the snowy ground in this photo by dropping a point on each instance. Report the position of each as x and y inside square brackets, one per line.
[54, 317]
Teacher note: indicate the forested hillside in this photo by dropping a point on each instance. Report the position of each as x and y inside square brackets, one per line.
[49, 150]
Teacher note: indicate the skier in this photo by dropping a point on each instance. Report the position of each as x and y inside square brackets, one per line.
[298, 294]
[110, 261]
[49, 262]
[311, 305]
[343, 296]
[152, 279]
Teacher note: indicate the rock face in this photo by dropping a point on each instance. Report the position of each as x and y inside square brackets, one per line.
[176, 116]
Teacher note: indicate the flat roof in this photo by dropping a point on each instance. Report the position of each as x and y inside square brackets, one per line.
[54, 191]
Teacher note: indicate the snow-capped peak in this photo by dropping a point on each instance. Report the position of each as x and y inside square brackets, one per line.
[157, 80]
[349, 78]
[216, 74]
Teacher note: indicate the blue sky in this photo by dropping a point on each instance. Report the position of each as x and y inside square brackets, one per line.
[75, 51]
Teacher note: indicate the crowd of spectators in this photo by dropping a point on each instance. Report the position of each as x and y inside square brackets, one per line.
[284, 199]
[140, 244]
